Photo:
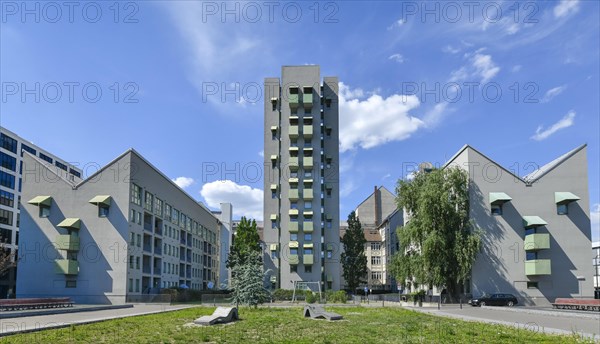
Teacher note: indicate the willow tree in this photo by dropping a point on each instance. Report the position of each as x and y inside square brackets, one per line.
[438, 243]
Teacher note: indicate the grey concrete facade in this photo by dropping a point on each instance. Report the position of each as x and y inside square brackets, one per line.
[301, 199]
[529, 249]
[11, 148]
[123, 232]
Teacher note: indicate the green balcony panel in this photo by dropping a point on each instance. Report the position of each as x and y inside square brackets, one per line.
[308, 259]
[533, 221]
[537, 241]
[307, 194]
[67, 242]
[273, 186]
[307, 162]
[70, 223]
[538, 267]
[293, 259]
[273, 217]
[565, 197]
[67, 267]
[293, 131]
[294, 194]
[329, 278]
[293, 163]
[307, 100]
[308, 227]
[293, 100]
[274, 247]
[293, 180]
[101, 200]
[307, 131]
[274, 157]
[293, 212]
[499, 198]
[45, 201]
[308, 213]
[293, 227]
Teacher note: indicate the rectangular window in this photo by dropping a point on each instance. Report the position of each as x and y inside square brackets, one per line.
[46, 158]
[329, 254]
[329, 224]
[530, 255]
[139, 240]
[308, 269]
[307, 236]
[131, 285]
[532, 285]
[8, 143]
[137, 263]
[28, 149]
[132, 215]
[274, 255]
[562, 209]
[376, 260]
[131, 262]
[131, 239]
[60, 165]
[293, 268]
[307, 205]
[158, 207]
[8, 162]
[44, 211]
[308, 251]
[136, 194]
[6, 217]
[293, 251]
[71, 284]
[496, 209]
[375, 246]
[7, 198]
[137, 285]
[102, 211]
[7, 180]
[294, 205]
[274, 224]
[273, 194]
[148, 201]
[168, 212]
[75, 173]
[294, 236]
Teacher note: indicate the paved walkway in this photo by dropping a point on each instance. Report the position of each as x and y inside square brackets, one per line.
[523, 318]
[42, 322]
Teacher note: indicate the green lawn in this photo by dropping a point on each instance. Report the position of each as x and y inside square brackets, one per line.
[286, 325]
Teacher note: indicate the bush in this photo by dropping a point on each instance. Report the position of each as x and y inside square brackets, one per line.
[339, 296]
[311, 297]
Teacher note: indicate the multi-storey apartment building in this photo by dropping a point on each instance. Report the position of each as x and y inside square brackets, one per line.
[123, 232]
[536, 228]
[379, 219]
[596, 263]
[12, 147]
[301, 202]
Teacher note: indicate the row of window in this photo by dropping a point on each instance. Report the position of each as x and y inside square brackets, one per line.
[328, 254]
[155, 205]
[377, 275]
[561, 209]
[376, 260]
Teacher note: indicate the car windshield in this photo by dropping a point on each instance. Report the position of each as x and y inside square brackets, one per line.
[484, 295]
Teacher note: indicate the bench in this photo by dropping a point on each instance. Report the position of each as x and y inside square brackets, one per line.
[35, 303]
[577, 304]
[221, 315]
[318, 312]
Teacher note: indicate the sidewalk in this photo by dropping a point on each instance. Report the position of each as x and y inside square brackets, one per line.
[44, 322]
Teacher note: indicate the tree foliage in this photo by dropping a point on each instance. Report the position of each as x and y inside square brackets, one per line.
[354, 261]
[438, 244]
[7, 259]
[245, 243]
[247, 281]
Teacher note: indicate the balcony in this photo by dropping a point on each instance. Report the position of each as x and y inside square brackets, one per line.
[538, 241]
[308, 259]
[307, 227]
[293, 212]
[307, 162]
[307, 194]
[293, 228]
[67, 242]
[307, 131]
[294, 163]
[538, 267]
[293, 259]
[293, 131]
[307, 100]
[67, 267]
[294, 195]
[293, 99]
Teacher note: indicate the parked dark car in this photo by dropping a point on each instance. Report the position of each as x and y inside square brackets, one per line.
[494, 300]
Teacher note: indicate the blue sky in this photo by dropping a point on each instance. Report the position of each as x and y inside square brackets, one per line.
[418, 82]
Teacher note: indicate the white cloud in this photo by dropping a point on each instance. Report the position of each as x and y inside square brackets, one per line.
[396, 24]
[595, 220]
[386, 176]
[397, 57]
[261, 153]
[247, 201]
[481, 66]
[348, 186]
[553, 92]
[565, 122]
[450, 49]
[183, 182]
[435, 116]
[566, 7]
[376, 120]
